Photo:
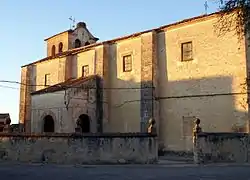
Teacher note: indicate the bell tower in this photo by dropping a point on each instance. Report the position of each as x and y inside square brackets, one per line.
[81, 36]
[69, 39]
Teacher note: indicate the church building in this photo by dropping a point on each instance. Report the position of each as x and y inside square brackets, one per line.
[172, 74]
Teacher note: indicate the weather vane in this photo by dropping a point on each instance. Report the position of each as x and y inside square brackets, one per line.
[72, 25]
[206, 7]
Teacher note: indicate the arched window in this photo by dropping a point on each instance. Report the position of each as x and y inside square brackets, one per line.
[49, 125]
[77, 43]
[60, 47]
[84, 122]
[53, 50]
[87, 43]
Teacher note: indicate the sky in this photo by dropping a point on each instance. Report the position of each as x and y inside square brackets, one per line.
[25, 24]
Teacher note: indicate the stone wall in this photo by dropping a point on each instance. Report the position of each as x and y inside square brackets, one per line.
[210, 86]
[123, 88]
[65, 110]
[25, 101]
[222, 147]
[79, 149]
[63, 37]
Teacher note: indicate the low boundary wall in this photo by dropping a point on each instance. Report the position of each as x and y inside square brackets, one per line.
[112, 148]
[222, 147]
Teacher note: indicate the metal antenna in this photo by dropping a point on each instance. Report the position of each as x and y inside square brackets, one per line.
[73, 20]
[206, 6]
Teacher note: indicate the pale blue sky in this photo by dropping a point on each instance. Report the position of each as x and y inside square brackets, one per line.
[25, 24]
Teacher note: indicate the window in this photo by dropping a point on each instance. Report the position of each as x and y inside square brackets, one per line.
[85, 71]
[47, 80]
[127, 63]
[53, 50]
[186, 51]
[60, 47]
[77, 43]
[87, 43]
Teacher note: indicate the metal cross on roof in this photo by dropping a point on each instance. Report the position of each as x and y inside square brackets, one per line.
[206, 7]
[73, 20]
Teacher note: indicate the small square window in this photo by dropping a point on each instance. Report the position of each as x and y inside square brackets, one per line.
[47, 80]
[85, 71]
[186, 51]
[127, 63]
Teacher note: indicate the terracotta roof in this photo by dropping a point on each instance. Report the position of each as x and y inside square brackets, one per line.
[69, 31]
[65, 53]
[85, 48]
[64, 85]
[4, 115]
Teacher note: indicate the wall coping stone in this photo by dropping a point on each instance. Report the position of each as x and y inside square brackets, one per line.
[223, 134]
[79, 136]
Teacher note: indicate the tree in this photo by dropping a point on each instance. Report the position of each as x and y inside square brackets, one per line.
[235, 16]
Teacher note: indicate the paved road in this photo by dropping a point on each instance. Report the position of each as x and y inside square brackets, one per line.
[159, 172]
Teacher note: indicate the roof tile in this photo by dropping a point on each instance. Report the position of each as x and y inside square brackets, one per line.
[64, 85]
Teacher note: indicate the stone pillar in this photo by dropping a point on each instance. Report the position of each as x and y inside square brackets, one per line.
[25, 98]
[196, 143]
[22, 95]
[148, 79]
[62, 76]
[68, 67]
[102, 70]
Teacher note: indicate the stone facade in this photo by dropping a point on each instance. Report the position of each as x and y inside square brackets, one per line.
[124, 87]
[65, 103]
[210, 86]
[160, 85]
[68, 38]
[63, 38]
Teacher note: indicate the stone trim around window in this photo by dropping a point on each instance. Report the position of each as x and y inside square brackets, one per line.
[127, 62]
[180, 46]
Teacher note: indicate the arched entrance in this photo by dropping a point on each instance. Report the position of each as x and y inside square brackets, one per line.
[84, 123]
[48, 124]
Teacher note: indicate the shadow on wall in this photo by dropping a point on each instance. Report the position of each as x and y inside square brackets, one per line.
[218, 101]
[247, 45]
[210, 99]
[130, 103]
[124, 97]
